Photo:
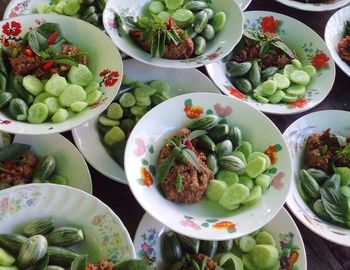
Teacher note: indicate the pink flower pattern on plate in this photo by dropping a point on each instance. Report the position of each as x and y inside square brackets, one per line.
[190, 223]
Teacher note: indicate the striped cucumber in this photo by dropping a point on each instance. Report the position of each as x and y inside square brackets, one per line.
[12, 242]
[61, 256]
[231, 163]
[65, 236]
[44, 170]
[35, 227]
[205, 122]
[32, 250]
[171, 247]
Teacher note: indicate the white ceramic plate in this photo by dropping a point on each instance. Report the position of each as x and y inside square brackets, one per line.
[295, 136]
[334, 32]
[105, 235]
[217, 48]
[148, 237]
[104, 61]
[243, 3]
[330, 5]
[87, 137]
[205, 220]
[69, 161]
[310, 49]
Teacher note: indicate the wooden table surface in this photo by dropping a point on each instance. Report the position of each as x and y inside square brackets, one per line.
[321, 254]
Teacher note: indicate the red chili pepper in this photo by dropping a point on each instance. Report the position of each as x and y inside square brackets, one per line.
[137, 33]
[52, 38]
[170, 23]
[47, 65]
[28, 52]
[189, 144]
[8, 165]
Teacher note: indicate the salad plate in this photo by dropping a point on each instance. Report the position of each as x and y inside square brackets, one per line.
[203, 218]
[150, 234]
[310, 50]
[184, 56]
[322, 6]
[334, 32]
[296, 136]
[103, 68]
[181, 82]
[104, 234]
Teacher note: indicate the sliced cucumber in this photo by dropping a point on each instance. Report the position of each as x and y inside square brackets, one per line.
[60, 115]
[114, 111]
[311, 70]
[93, 97]
[268, 87]
[255, 167]
[183, 17]
[33, 85]
[296, 90]
[55, 85]
[297, 63]
[247, 181]
[52, 104]
[71, 94]
[219, 21]
[228, 177]
[37, 113]
[264, 181]
[105, 121]
[282, 81]
[215, 190]
[78, 106]
[265, 238]
[80, 75]
[234, 195]
[264, 256]
[174, 4]
[254, 196]
[127, 100]
[247, 243]
[277, 96]
[289, 98]
[92, 86]
[288, 69]
[114, 135]
[156, 7]
[300, 77]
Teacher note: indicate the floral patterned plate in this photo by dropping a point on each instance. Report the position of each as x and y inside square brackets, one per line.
[311, 49]
[148, 237]
[104, 61]
[86, 135]
[205, 220]
[216, 49]
[326, 5]
[69, 161]
[334, 32]
[105, 235]
[295, 136]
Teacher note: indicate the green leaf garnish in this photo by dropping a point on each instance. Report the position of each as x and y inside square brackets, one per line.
[164, 167]
[178, 182]
[191, 157]
[196, 133]
[323, 149]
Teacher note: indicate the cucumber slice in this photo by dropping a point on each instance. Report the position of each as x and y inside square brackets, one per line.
[268, 87]
[288, 69]
[277, 97]
[138, 111]
[255, 167]
[156, 7]
[248, 262]
[78, 106]
[183, 17]
[261, 99]
[41, 97]
[260, 154]
[215, 190]
[92, 86]
[247, 243]
[240, 155]
[219, 21]
[234, 195]
[311, 70]
[33, 85]
[114, 111]
[282, 81]
[264, 181]
[6, 259]
[300, 77]
[289, 98]
[297, 63]
[164, 15]
[37, 113]
[237, 262]
[127, 100]
[245, 148]
[114, 135]
[264, 256]
[228, 177]
[254, 196]
[174, 4]
[344, 173]
[264, 238]
[41, 7]
[52, 104]
[55, 85]
[71, 8]
[80, 75]
[144, 102]
[71, 94]
[60, 115]
[93, 97]
[162, 87]
[143, 92]
[105, 121]
[247, 181]
[127, 125]
[58, 179]
[296, 90]
[60, 6]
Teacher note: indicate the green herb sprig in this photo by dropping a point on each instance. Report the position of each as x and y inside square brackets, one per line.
[181, 152]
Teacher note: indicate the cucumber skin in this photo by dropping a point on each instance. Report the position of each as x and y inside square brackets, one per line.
[38, 227]
[236, 69]
[200, 21]
[254, 74]
[209, 248]
[172, 247]
[206, 143]
[18, 107]
[5, 98]
[32, 250]
[60, 256]
[204, 122]
[45, 168]
[12, 242]
[13, 151]
[189, 244]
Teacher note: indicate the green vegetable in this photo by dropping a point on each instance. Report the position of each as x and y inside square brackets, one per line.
[246, 148]
[268, 72]
[135, 265]
[235, 69]
[15, 86]
[80, 75]
[33, 85]
[319, 175]
[18, 109]
[183, 17]
[32, 250]
[228, 177]
[254, 74]
[199, 45]
[208, 32]
[264, 256]
[200, 21]
[247, 243]
[71, 94]
[37, 113]
[61, 256]
[242, 84]
[208, 248]
[223, 148]
[226, 245]
[195, 5]
[219, 21]
[235, 136]
[309, 184]
[44, 169]
[6, 259]
[5, 98]
[13, 151]
[114, 135]
[65, 236]
[219, 132]
[282, 81]
[320, 211]
[215, 189]
[212, 163]
[205, 122]
[79, 263]
[231, 163]
[171, 247]
[265, 238]
[234, 195]
[189, 244]
[206, 143]
[300, 77]
[12, 242]
[156, 7]
[60, 115]
[35, 227]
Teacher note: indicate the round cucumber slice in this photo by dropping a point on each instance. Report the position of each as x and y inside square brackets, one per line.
[37, 113]
[219, 21]
[93, 97]
[52, 104]
[105, 121]
[268, 87]
[254, 196]
[247, 181]
[71, 8]
[33, 85]
[289, 98]
[215, 190]
[288, 69]
[162, 87]
[265, 238]
[228, 177]
[71, 94]
[297, 63]
[234, 195]
[248, 262]
[80, 75]
[247, 243]
[127, 100]
[164, 15]
[55, 85]
[311, 70]
[41, 97]
[300, 77]
[156, 7]
[114, 135]
[92, 86]
[183, 17]
[277, 97]
[260, 154]
[174, 4]
[60, 115]
[78, 106]
[296, 90]
[264, 256]
[255, 167]
[264, 181]
[238, 264]
[114, 111]
[282, 81]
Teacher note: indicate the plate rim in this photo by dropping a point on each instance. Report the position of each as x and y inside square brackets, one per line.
[313, 8]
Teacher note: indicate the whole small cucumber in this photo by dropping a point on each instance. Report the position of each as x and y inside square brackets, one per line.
[254, 74]
[200, 21]
[199, 45]
[44, 170]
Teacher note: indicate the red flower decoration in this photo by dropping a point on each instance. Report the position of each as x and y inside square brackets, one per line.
[146, 177]
[104, 72]
[111, 79]
[224, 225]
[269, 24]
[234, 92]
[320, 60]
[300, 103]
[193, 111]
[271, 151]
[5, 122]
[12, 28]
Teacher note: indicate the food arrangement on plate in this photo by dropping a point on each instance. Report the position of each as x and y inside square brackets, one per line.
[171, 250]
[344, 44]
[319, 194]
[273, 69]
